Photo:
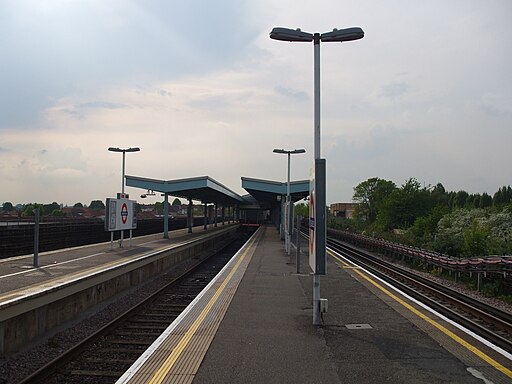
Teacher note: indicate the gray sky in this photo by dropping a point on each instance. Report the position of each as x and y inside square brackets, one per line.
[202, 90]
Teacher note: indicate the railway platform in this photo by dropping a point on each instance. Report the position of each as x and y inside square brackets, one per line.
[67, 282]
[254, 325]
[18, 275]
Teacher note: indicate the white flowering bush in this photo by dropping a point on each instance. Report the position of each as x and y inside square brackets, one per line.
[475, 232]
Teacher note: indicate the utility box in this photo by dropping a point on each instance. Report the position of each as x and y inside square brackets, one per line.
[323, 305]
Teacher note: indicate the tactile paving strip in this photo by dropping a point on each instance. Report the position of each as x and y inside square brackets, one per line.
[177, 354]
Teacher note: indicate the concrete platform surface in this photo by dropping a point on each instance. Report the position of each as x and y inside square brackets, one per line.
[18, 273]
[267, 335]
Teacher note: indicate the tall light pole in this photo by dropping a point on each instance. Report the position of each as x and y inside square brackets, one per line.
[123, 150]
[318, 226]
[289, 219]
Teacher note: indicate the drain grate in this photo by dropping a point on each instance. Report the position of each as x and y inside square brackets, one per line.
[358, 326]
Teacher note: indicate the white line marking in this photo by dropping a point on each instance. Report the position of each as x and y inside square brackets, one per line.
[50, 265]
[463, 329]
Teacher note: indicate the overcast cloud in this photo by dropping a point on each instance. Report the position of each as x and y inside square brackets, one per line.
[202, 90]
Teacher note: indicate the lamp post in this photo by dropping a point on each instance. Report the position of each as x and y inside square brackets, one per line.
[318, 228]
[123, 150]
[289, 221]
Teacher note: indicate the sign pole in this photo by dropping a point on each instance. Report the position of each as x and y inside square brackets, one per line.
[297, 255]
[36, 238]
[318, 208]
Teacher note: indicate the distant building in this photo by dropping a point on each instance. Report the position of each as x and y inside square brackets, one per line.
[345, 210]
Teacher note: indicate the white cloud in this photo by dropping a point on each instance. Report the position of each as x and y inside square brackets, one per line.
[201, 88]
[393, 90]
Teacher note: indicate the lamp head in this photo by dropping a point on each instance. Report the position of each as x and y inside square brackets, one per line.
[116, 149]
[287, 34]
[347, 34]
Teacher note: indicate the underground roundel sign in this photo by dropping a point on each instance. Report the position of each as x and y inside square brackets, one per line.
[124, 213]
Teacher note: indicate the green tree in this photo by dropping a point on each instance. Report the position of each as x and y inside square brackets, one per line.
[424, 230]
[451, 199]
[57, 213]
[370, 195]
[29, 209]
[502, 196]
[301, 209]
[159, 207]
[49, 208]
[7, 206]
[473, 201]
[460, 199]
[475, 240]
[404, 205]
[485, 200]
[78, 205]
[176, 201]
[97, 204]
[439, 195]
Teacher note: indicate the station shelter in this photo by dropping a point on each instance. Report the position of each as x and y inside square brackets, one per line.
[271, 197]
[264, 203]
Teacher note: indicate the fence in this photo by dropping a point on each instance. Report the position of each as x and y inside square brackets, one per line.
[17, 237]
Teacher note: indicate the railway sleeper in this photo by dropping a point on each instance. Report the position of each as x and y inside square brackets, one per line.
[130, 342]
[78, 372]
[148, 327]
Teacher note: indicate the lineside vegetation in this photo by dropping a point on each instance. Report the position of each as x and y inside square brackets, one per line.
[458, 224]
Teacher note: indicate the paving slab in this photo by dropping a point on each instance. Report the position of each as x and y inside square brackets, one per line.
[267, 335]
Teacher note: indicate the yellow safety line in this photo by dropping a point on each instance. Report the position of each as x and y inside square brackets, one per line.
[178, 350]
[446, 331]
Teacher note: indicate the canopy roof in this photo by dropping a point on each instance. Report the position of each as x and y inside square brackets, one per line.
[203, 188]
[267, 192]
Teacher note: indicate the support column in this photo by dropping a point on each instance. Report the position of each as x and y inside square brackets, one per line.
[190, 217]
[166, 215]
[36, 238]
[215, 215]
[205, 216]
[282, 217]
[275, 216]
[223, 214]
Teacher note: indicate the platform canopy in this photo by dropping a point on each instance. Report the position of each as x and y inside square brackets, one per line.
[269, 193]
[203, 188]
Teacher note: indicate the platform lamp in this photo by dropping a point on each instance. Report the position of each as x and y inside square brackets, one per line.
[123, 150]
[336, 35]
[288, 197]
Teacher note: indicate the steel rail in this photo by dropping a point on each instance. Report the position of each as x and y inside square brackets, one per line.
[67, 356]
[485, 317]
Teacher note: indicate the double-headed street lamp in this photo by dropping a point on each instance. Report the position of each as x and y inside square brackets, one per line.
[317, 228]
[123, 150]
[289, 221]
[134, 149]
[337, 35]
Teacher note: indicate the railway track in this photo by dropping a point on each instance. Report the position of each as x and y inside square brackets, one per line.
[105, 355]
[484, 320]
